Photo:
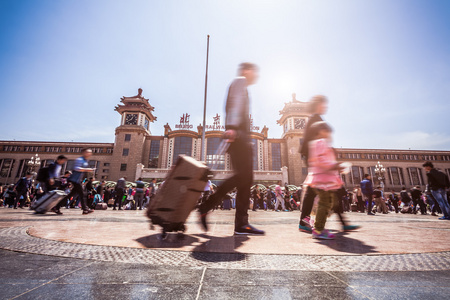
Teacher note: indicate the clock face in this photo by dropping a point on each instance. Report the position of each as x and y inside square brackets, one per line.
[146, 123]
[299, 123]
[131, 119]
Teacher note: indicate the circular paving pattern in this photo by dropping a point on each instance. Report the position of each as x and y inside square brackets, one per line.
[17, 239]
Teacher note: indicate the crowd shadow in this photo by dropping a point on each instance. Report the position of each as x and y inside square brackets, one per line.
[344, 243]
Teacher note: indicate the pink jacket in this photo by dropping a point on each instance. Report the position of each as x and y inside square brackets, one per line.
[321, 163]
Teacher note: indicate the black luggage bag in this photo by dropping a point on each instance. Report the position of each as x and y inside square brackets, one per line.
[178, 195]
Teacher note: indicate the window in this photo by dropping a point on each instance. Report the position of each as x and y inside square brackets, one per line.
[212, 159]
[415, 176]
[73, 149]
[127, 137]
[182, 145]
[276, 156]
[154, 154]
[70, 164]
[32, 148]
[23, 168]
[6, 166]
[109, 150]
[123, 167]
[125, 151]
[11, 148]
[255, 153]
[106, 164]
[304, 171]
[105, 170]
[356, 174]
[396, 176]
[97, 150]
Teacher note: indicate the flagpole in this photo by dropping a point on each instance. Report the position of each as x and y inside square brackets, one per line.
[204, 104]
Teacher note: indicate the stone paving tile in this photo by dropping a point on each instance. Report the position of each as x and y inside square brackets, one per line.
[409, 293]
[215, 277]
[279, 292]
[395, 279]
[120, 273]
[10, 290]
[112, 292]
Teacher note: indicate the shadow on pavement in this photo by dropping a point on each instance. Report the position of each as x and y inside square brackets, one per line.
[173, 240]
[226, 244]
[344, 243]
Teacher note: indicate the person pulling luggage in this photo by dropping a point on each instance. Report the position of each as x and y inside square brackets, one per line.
[237, 132]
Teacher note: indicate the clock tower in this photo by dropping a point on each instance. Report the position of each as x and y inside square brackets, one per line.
[294, 117]
[132, 145]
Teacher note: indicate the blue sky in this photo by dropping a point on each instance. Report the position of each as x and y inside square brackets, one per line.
[384, 65]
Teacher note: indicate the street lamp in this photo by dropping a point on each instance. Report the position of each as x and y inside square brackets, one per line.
[379, 172]
[34, 162]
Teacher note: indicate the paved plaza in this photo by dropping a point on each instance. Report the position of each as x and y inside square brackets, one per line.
[115, 255]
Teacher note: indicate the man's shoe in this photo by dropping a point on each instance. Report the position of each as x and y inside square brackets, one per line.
[114, 208]
[442, 218]
[351, 227]
[56, 211]
[248, 229]
[370, 214]
[120, 209]
[85, 212]
[434, 214]
[324, 235]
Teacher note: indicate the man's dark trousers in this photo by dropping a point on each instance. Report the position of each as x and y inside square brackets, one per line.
[360, 204]
[19, 201]
[119, 198]
[369, 202]
[241, 158]
[77, 189]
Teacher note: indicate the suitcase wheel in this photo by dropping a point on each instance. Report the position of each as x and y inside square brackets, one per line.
[164, 235]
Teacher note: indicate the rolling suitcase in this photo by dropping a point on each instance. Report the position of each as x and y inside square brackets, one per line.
[178, 195]
[48, 201]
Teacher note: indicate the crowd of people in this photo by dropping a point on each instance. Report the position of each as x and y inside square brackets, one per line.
[322, 182]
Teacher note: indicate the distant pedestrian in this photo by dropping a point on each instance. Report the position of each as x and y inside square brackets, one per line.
[438, 182]
[80, 169]
[23, 189]
[120, 189]
[139, 194]
[367, 190]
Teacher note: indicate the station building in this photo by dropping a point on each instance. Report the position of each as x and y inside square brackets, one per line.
[137, 153]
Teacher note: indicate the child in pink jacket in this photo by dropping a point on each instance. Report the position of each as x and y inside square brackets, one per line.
[323, 176]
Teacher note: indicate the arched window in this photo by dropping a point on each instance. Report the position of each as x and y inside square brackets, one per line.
[182, 145]
[415, 176]
[214, 161]
[276, 156]
[356, 174]
[255, 153]
[395, 175]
